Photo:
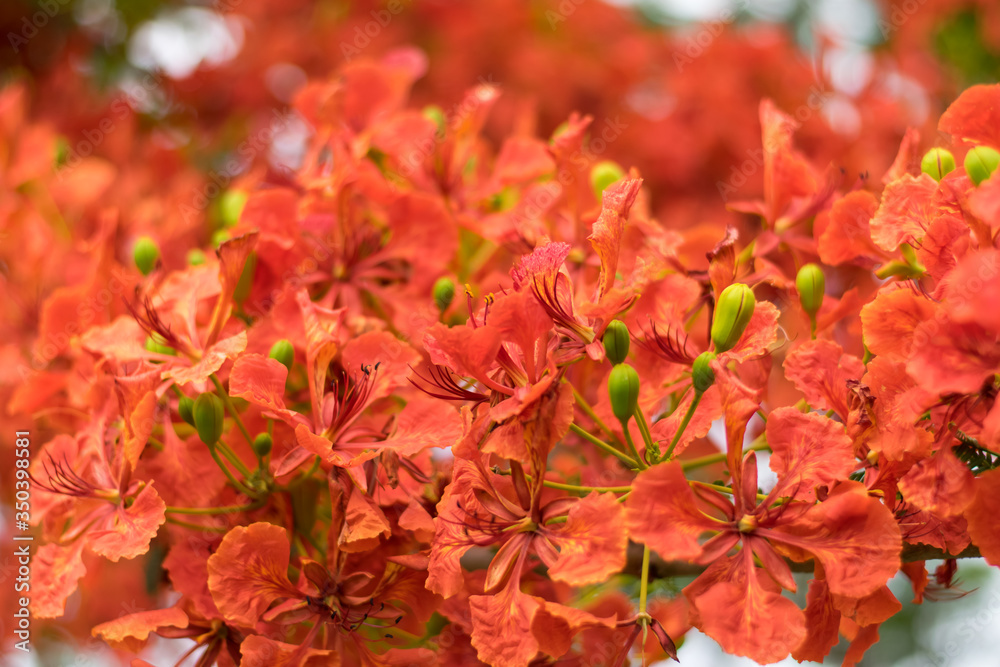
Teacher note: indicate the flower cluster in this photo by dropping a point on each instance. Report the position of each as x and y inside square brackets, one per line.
[435, 399]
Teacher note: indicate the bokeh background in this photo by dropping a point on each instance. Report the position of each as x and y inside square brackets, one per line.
[149, 96]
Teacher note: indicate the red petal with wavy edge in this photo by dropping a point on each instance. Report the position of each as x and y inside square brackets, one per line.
[322, 330]
[748, 619]
[974, 116]
[186, 564]
[972, 290]
[606, 236]
[941, 484]
[853, 535]
[366, 523]
[982, 516]
[130, 633]
[662, 514]
[423, 423]
[522, 159]
[545, 260]
[787, 173]
[822, 623]
[469, 352]
[952, 357]
[898, 403]
[260, 651]
[708, 411]
[554, 626]
[127, 532]
[984, 202]
[137, 403]
[249, 571]
[890, 320]
[905, 213]
[501, 627]
[907, 158]
[878, 607]
[232, 258]
[214, 357]
[592, 544]
[259, 380]
[122, 340]
[56, 572]
[760, 334]
[866, 637]
[522, 321]
[820, 370]
[809, 450]
[444, 572]
[846, 234]
[380, 347]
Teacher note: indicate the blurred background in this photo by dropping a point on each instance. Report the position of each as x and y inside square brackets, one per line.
[679, 80]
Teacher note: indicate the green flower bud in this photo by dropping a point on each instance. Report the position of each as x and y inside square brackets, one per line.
[283, 352]
[616, 341]
[209, 416]
[980, 162]
[195, 257]
[444, 292]
[220, 236]
[245, 283]
[146, 253]
[185, 408]
[231, 205]
[604, 174]
[811, 284]
[937, 163]
[155, 344]
[435, 114]
[623, 387]
[262, 444]
[702, 375]
[732, 314]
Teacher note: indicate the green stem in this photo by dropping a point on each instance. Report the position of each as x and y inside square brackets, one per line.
[196, 526]
[631, 446]
[236, 483]
[625, 458]
[684, 424]
[224, 395]
[216, 510]
[720, 457]
[589, 411]
[652, 448]
[572, 487]
[643, 592]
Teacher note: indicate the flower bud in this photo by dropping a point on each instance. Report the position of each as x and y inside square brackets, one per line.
[616, 341]
[937, 163]
[231, 205]
[980, 162]
[262, 444]
[283, 352]
[208, 417]
[219, 237]
[444, 292]
[154, 344]
[185, 408]
[623, 388]
[732, 314]
[195, 257]
[811, 284]
[702, 375]
[146, 253]
[604, 174]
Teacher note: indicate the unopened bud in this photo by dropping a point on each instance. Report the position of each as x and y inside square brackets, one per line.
[185, 408]
[980, 162]
[604, 174]
[616, 342]
[444, 292]
[195, 257]
[732, 315]
[702, 375]
[937, 163]
[154, 344]
[283, 352]
[623, 388]
[146, 253]
[262, 444]
[231, 205]
[811, 284]
[209, 417]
